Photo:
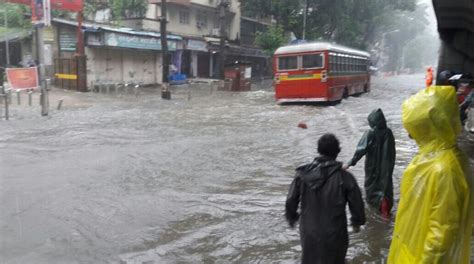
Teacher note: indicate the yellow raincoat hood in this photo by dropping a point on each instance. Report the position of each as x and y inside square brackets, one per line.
[433, 223]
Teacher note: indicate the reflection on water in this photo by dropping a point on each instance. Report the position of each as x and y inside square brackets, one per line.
[182, 181]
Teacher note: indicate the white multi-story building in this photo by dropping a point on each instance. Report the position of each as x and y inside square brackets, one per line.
[198, 22]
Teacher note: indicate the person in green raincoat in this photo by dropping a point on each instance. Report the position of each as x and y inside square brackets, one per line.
[378, 145]
[434, 215]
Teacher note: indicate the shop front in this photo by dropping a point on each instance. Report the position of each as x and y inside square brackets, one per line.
[115, 55]
[120, 57]
[196, 59]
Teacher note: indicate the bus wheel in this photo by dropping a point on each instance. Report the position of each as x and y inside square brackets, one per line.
[366, 88]
[346, 93]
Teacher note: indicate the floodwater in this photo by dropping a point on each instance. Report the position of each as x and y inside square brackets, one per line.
[198, 179]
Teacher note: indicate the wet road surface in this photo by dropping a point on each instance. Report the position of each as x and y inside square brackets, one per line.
[198, 179]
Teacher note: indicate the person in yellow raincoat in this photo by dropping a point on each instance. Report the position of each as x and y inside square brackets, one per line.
[434, 217]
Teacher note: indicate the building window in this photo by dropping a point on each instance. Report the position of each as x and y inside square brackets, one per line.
[201, 20]
[184, 16]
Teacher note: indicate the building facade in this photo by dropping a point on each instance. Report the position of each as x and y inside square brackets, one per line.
[114, 55]
[198, 23]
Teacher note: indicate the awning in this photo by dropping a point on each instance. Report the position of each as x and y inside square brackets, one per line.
[12, 34]
[236, 50]
[95, 27]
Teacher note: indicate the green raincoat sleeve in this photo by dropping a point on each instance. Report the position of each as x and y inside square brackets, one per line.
[362, 148]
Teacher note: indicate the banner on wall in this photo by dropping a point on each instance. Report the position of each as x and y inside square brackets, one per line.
[67, 5]
[22, 78]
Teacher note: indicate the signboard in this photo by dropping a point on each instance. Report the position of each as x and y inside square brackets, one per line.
[22, 78]
[23, 2]
[68, 5]
[37, 11]
[135, 42]
[41, 12]
[48, 54]
[248, 73]
[67, 40]
[48, 34]
[198, 45]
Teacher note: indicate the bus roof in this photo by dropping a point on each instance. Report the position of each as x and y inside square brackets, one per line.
[318, 46]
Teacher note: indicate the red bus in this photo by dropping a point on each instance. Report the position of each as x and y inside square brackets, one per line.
[319, 72]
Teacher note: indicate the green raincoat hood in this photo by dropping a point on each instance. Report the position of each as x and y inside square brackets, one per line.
[377, 119]
[431, 117]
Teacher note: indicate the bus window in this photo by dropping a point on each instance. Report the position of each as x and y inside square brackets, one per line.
[288, 63]
[332, 62]
[338, 63]
[313, 61]
[346, 63]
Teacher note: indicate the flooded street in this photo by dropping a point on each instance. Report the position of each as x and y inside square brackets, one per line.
[204, 180]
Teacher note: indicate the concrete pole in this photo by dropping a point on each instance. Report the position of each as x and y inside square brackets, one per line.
[41, 71]
[7, 48]
[6, 101]
[222, 54]
[165, 92]
[305, 13]
[30, 98]
[60, 103]
[18, 97]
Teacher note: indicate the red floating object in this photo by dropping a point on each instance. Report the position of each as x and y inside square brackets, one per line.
[302, 125]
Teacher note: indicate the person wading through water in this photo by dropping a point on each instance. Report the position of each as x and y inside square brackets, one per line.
[378, 145]
[322, 190]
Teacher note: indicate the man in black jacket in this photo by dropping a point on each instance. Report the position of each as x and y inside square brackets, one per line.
[324, 189]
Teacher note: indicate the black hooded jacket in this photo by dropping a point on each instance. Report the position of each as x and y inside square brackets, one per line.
[323, 189]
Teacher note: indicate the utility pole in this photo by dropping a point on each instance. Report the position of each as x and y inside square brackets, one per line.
[81, 69]
[6, 40]
[222, 54]
[305, 13]
[165, 92]
[41, 70]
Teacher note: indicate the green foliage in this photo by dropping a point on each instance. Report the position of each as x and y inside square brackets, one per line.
[128, 8]
[16, 15]
[271, 39]
[384, 27]
[283, 11]
[351, 22]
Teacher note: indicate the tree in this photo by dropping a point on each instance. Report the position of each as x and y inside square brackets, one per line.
[349, 22]
[16, 15]
[271, 39]
[128, 8]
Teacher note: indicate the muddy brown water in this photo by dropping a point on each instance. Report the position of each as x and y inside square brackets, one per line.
[198, 179]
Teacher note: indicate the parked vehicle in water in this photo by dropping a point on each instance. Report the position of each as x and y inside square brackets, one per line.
[319, 72]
